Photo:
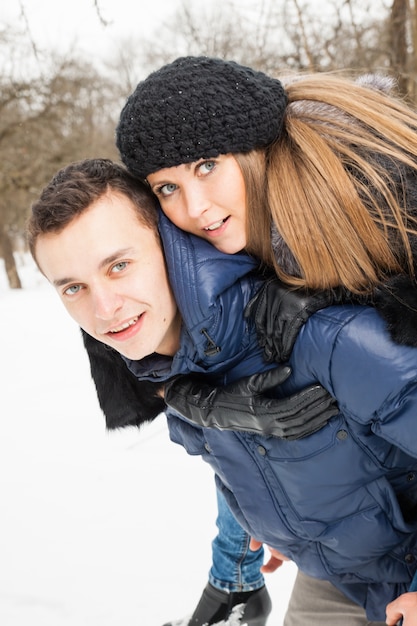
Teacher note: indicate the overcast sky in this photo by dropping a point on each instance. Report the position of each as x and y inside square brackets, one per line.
[62, 23]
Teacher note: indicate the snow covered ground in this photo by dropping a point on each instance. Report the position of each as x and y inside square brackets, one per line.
[96, 528]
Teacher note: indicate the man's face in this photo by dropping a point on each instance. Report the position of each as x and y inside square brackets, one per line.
[109, 271]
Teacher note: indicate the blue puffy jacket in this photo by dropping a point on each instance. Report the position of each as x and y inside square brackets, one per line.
[342, 502]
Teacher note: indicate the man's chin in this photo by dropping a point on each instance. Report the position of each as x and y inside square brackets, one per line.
[128, 352]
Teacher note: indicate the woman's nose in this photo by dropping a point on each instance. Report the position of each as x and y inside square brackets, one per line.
[197, 201]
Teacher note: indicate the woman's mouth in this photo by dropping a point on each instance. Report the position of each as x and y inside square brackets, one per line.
[216, 225]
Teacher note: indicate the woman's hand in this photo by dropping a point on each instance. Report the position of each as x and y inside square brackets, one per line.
[248, 404]
[279, 313]
[275, 560]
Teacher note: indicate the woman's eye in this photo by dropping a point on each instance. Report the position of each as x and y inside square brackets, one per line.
[119, 266]
[167, 190]
[207, 166]
[70, 291]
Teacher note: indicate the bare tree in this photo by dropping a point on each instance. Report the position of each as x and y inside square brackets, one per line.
[46, 121]
[69, 110]
[289, 35]
[397, 37]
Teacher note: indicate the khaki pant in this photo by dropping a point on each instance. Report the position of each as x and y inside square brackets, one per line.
[317, 603]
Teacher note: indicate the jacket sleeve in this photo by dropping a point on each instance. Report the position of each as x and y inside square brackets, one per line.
[373, 379]
[124, 400]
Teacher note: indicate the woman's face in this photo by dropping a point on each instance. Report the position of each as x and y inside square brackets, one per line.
[206, 198]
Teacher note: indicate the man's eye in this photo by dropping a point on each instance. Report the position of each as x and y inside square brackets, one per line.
[166, 190]
[70, 291]
[119, 266]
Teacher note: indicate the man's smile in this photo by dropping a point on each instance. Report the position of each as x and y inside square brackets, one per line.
[118, 329]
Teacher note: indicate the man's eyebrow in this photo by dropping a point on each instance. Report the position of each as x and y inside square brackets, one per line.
[116, 255]
[59, 282]
[62, 281]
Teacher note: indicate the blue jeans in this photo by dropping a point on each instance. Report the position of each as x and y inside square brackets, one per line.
[234, 567]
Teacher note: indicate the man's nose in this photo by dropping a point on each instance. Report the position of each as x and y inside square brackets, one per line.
[106, 303]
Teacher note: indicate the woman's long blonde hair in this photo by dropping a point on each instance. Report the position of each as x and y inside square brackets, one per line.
[338, 181]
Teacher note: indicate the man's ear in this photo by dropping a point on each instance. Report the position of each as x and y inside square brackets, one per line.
[124, 400]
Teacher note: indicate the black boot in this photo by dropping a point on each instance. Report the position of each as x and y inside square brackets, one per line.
[216, 606]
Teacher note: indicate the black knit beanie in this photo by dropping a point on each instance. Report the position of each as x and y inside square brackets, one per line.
[198, 107]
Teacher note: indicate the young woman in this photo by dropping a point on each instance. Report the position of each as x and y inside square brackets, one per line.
[314, 175]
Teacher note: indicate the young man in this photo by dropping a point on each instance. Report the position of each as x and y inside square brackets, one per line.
[94, 234]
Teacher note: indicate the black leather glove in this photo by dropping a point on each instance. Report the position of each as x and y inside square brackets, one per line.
[244, 405]
[279, 313]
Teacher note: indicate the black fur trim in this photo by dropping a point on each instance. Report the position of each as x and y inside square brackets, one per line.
[396, 301]
[124, 400]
